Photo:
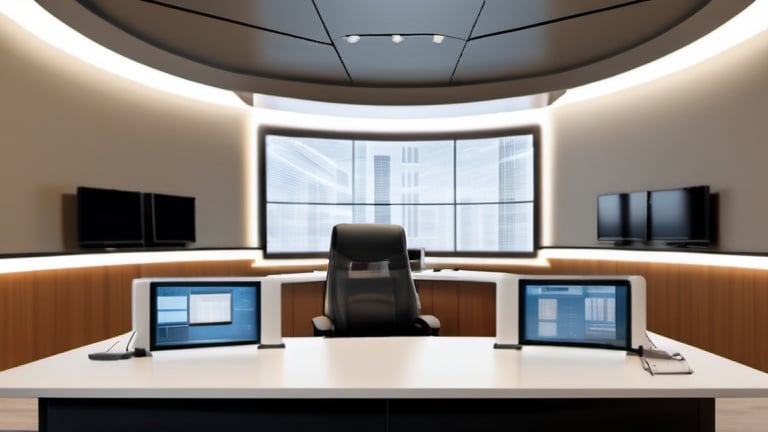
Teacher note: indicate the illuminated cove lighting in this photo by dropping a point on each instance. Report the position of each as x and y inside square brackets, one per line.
[35, 19]
[101, 259]
[662, 257]
[750, 22]
[59, 262]
[84, 260]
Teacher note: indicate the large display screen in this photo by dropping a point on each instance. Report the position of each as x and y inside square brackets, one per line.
[622, 217]
[109, 218]
[593, 313]
[171, 219]
[681, 214]
[196, 314]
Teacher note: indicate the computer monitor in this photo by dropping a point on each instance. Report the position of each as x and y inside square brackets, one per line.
[584, 311]
[197, 312]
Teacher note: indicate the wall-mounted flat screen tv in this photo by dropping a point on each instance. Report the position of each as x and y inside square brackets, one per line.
[622, 216]
[170, 219]
[682, 214]
[109, 218]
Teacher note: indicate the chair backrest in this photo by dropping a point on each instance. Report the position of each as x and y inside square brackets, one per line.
[369, 288]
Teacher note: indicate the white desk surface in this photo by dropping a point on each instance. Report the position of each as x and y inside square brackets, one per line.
[402, 367]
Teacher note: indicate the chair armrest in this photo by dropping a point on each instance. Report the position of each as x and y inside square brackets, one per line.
[430, 321]
[322, 325]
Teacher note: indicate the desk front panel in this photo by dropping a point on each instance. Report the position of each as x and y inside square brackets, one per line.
[376, 415]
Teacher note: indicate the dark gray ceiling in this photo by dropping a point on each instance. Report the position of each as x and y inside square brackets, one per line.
[298, 48]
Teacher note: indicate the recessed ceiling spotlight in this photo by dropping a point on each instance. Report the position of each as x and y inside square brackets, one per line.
[438, 39]
[397, 39]
[353, 39]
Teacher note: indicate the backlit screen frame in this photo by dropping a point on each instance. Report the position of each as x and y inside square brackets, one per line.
[155, 345]
[625, 285]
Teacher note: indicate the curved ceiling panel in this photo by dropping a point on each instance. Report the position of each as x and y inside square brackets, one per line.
[452, 18]
[569, 43]
[505, 15]
[415, 61]
[490, 49]
[296, 17]
[223, 44]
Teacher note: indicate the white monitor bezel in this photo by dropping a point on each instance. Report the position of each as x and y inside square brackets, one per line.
[270, 310]
[508, 308]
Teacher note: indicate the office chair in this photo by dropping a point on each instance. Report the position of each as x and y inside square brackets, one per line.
[369, 288]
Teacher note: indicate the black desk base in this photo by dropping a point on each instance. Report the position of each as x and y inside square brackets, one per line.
[374, 415]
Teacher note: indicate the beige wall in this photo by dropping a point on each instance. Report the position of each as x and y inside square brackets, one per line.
[64, 123]
[704, 125]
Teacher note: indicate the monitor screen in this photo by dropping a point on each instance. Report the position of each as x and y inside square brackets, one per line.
[680, 214]
[171, 219]
[622, 216]
[196, 314]
[108, 217]
[636, 216]
[609, 214]
[591, 313]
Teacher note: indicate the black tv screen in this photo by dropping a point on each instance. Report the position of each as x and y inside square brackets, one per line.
[170, 219]
[109, 218]
[681, 214]
[623, 216]
[609, 224]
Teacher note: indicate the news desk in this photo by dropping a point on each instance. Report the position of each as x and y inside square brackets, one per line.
[378, 384]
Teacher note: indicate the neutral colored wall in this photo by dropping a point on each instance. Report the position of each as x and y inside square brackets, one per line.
[705, 125]
[64, 123]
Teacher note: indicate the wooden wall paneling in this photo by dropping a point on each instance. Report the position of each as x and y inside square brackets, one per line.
[6, 326]
[286, 311]
[579, 267]
[740, 328]
[719, 315]
[573, 267]
[694, 306]
[672, 298]
[760, 311]
[632, 268]
[119, 280]
[741, 342]
[93, 304]
[36, 318]
[605, 267]
[74, 315]
[308, 301]
[426, 297]
[445, 305]
[656, 306]
[477, 309]
[16, 345]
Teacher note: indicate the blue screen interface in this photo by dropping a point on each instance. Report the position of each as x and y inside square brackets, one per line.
[193, 315]
[575, 313]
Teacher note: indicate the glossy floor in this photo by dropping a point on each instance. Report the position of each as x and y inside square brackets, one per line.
[733, 415]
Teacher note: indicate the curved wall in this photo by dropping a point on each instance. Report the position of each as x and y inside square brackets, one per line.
[64, 123]
[703, 125]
